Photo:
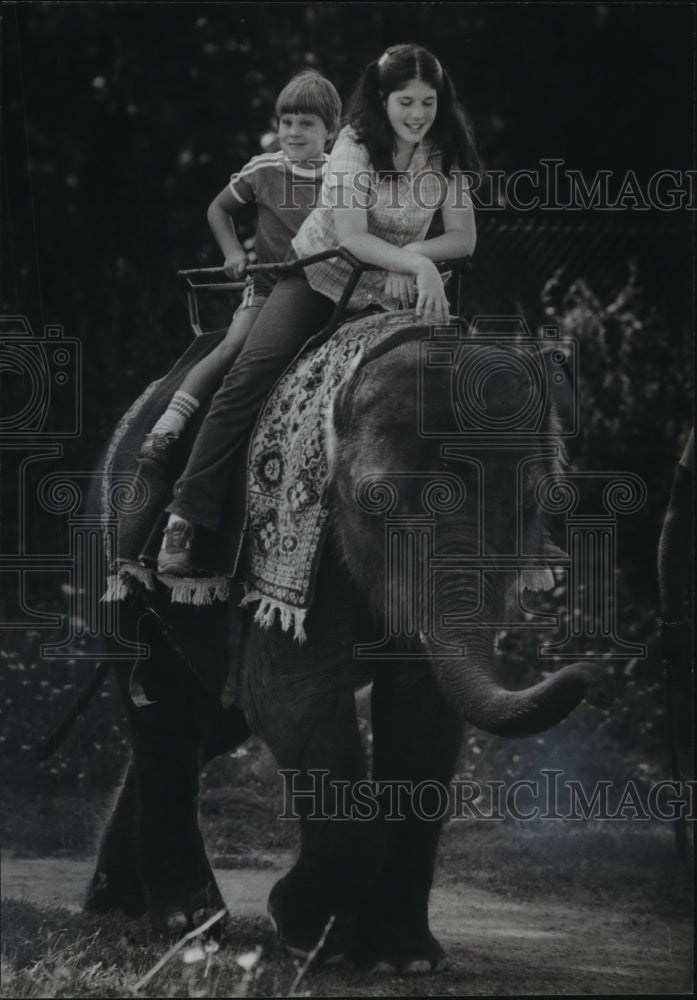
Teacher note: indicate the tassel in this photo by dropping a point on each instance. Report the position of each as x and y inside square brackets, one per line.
[126, 579]
[181, 593]
[299, 622]
[198, 591]
[116, 589]
[266, 613]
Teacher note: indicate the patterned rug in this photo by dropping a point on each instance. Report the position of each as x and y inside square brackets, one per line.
[287, 472]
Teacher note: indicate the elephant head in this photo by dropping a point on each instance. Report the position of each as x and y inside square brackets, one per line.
[376, 435]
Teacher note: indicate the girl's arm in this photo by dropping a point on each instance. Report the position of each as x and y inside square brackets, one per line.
[458, 240]
[460, 235]
[351, 225]
[352, 233]
[220, 212]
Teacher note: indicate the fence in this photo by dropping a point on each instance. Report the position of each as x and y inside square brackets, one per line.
[517, 255]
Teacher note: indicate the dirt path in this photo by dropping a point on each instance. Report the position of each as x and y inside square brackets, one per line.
[494, 945]
[62, 882]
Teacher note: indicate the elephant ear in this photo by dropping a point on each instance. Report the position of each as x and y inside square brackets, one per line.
[561, 417]
[558, 440]
[560, 424]
[373, 394]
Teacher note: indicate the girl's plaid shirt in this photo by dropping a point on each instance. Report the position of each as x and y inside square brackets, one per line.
[399, 208]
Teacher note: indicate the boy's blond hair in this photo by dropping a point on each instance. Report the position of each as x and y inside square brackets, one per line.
[310, 93]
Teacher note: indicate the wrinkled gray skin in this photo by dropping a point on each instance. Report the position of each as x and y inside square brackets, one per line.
[375, 877]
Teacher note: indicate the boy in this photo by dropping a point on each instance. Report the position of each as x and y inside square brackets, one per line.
[285, 186]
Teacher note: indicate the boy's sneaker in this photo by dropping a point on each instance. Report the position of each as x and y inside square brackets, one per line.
[175, 555]
[156, 448]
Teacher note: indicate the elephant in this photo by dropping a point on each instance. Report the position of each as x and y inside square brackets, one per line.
[431, 675]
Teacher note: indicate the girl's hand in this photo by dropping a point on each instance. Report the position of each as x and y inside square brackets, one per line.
[431, 302]
[235, 264]
[400, 288]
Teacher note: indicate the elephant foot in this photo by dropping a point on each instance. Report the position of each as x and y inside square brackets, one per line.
[412, 967]
[301, 922]
[109, 891]
[399, 951]
[175, 912]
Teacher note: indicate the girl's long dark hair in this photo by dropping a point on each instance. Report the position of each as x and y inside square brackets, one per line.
[366, 113]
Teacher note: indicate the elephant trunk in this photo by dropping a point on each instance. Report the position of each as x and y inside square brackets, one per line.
[485, 703]
[471, 686]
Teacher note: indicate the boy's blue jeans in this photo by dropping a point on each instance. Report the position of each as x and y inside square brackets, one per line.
[292, 314]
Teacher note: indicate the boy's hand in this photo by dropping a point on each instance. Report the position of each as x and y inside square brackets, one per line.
[235, 264]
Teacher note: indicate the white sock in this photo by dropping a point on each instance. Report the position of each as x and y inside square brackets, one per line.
[176, 519]
[173, 420]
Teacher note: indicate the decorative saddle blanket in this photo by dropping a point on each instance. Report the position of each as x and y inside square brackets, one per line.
[287, 471]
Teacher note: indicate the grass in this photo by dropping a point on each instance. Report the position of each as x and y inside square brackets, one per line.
[51, 953]
[622, 868]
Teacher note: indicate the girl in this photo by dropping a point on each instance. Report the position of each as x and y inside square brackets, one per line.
[396, 163]
[285, 187]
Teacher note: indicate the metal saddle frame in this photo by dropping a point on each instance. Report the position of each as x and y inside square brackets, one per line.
[198, 280]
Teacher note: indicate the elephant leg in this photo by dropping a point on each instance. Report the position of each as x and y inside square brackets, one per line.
[129, 850]
[416, 739]
[117, 883]
[170, 738]
[306, 713]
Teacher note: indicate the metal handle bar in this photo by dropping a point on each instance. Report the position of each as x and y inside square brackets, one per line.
[294, 265]
[194, 287]
[357, 268]
[285, 265]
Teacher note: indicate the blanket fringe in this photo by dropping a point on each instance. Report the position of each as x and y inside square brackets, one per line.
[183, 590]
[122, 583]
[266, 613]
[116, 589]
[196, 590]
